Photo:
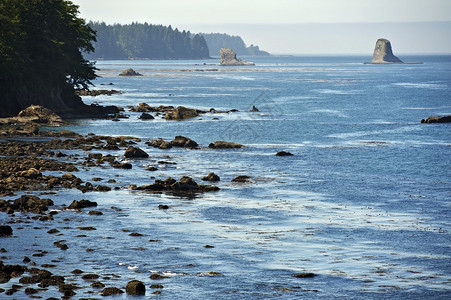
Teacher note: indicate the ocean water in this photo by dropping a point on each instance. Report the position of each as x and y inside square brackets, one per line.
[364, 202]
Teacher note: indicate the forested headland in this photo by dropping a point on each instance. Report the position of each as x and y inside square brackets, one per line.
[146, 41]
[216, 41]
[41, 60]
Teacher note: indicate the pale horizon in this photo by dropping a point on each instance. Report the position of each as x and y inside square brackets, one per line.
[296, 27]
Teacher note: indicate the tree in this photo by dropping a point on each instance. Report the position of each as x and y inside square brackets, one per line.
[41, 60]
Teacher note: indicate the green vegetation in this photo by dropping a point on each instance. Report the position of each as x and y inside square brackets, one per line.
[41, 61]
[146, 41]
[216, 41]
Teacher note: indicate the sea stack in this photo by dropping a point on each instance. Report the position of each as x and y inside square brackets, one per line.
[383, 53]
[228, 58]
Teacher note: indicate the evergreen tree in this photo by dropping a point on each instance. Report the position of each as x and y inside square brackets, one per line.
[41, 61]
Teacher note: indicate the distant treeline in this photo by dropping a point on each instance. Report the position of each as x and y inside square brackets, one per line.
[216, 41]
[146, 41]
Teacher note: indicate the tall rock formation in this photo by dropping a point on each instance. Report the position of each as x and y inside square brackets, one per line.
[228, 58]
[383, 53]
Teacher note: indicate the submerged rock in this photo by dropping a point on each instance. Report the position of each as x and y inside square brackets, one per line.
[383, 53]
[130, 72]
[228, 58]
[241, 179]
[444, 119]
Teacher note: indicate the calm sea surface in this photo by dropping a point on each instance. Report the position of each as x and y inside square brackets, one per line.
[364, 203]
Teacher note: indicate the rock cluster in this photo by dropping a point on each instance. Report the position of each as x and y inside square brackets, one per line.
[181, 113]
[224, 145]
[178, 141]
[185, 186]
[228, 58]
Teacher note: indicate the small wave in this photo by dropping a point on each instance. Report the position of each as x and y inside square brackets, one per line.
[338, 92]
[424, 85]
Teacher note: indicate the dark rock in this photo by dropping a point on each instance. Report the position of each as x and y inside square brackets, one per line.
[181, 113]
[135, 287]
[383, 53]
[82, 204]
[181, 141]
[90, 276]
[6, 230]
[228, 58]
[97, 285]
[134, 152]
[224, 145]
[151, 168]
[211, 177]
[130, 72]
[444, 119]
[146, 116]
[160, 143]
[283, 153]
[304, 275]
[156, 286]
[254, 109]
[95, 213]
[109, 291]
[31, 291]
[163, 206]
[241, 179]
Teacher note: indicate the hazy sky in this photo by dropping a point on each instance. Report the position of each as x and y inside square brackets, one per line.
[248, 19]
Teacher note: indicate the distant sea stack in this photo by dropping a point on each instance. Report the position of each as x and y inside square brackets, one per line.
[228, 58]
[383, 53]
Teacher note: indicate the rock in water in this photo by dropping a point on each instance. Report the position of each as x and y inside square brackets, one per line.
[130, 72]
[444, 119]
[383, 53]
[134, 152]
[228, 58]
[135, 287]
[181, 113]
[6, 230]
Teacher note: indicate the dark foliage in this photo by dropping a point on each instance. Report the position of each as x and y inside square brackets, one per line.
[216, 41]
[41, 61]
[146, 41]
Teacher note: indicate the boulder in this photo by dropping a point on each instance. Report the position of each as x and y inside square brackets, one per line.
[444, 119]
[228, 58]
[181, 141]
[134, 152]
[39, 114]
[6, 230]
[82, 204]
[146, 116]
[383, 53]
[224, 145]
[109, 291]
[181, 113]
[130, 72]
[30, 173]
[135, 287]
[211, 177]
[144, 107]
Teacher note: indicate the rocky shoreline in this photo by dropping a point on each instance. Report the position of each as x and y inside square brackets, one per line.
[38, 164]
